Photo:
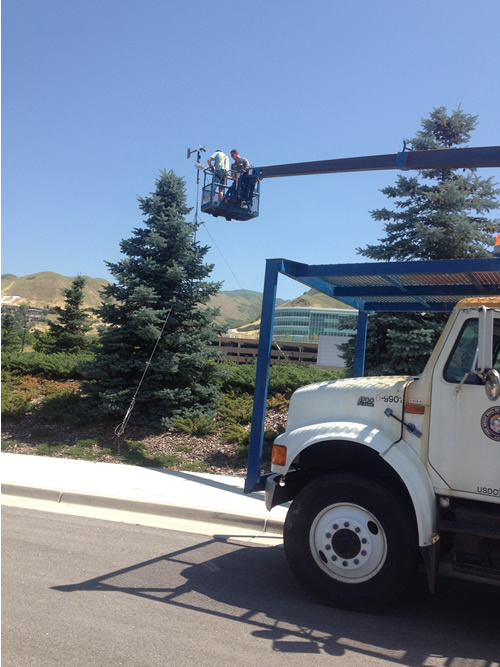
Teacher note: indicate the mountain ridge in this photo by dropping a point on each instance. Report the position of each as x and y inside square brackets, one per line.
[237, 307]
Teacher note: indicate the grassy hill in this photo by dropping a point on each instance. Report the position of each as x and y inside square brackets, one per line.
[45, 289]
[237, 307]
[315, 299]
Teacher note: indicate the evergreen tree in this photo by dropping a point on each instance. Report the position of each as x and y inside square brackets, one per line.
[162, 280]
[10, 332]
[68, 334]
[437, 214]
[23, 325]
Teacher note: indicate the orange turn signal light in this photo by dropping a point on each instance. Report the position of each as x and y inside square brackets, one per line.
[278, 455]
[414, 409]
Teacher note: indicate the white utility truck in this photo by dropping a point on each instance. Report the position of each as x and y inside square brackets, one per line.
[385, 472]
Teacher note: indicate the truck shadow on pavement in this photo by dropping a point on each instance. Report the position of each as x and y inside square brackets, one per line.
[252, 584]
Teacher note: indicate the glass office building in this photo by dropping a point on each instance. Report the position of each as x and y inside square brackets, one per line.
[307, 324]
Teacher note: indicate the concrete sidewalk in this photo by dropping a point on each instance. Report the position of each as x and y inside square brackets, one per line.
[215, 499]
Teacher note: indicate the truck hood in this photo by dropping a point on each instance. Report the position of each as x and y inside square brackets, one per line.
[360, 400]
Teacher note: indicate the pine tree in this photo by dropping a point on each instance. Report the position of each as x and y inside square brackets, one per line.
[68, 333]
[10, 332]
[161, 281]
[437, 214]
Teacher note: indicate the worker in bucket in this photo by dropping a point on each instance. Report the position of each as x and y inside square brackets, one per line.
[221, 168]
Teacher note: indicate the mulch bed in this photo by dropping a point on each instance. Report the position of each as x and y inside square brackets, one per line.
[216, 456]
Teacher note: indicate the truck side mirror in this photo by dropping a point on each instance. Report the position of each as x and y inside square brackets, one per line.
[492, 384]
[485, 359]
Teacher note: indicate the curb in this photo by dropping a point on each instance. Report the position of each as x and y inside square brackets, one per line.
[255, 523]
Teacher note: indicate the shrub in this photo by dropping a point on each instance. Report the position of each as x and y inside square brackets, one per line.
[48, 449]
[55, 366]
[234, 408]
[283, 378]
[236, 433]
[239, 378]
[28, 387]
[270, 434]
[202, 425]
[61, 406]
[14, 406]
[7, 445]
[286, 378]
[87, 442]
[278, 402]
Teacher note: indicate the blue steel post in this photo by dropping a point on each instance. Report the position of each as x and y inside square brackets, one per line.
[262, 376]
[359, 359]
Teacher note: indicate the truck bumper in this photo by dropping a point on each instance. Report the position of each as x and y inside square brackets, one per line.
[272, 491]
[430, 556]
[283, 488]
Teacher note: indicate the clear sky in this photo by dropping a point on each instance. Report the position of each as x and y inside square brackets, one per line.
[99, 95]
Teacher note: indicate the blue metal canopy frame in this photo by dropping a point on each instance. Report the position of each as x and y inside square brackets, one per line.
[421, 286]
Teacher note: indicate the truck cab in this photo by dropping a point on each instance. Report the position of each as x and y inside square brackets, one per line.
[384, 472]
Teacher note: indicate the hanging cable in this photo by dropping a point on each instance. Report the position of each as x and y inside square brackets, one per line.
[120, 429]
[220, 251]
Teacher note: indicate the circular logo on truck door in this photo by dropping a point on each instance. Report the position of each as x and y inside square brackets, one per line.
[490, 423]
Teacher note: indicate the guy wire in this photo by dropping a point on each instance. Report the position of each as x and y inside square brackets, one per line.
[120, 430]
[220, 251]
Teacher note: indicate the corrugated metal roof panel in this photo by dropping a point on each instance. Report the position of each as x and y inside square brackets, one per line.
[385, 286]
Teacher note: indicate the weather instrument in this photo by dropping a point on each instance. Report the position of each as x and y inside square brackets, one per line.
[199, 167]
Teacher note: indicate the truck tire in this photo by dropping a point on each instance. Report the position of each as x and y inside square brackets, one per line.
[352, 541]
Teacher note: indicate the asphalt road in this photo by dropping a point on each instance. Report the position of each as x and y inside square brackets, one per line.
[78, 591]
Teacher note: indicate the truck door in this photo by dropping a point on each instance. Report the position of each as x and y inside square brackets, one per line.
[464, 436]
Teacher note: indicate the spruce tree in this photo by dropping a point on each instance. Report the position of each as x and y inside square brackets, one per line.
[437, 214]
[10, 332]
[162, 281]
[69, 333]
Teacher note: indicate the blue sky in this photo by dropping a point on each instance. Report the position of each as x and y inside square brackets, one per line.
[99, 95]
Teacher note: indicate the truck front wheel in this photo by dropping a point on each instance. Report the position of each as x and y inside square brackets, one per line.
[351, 540]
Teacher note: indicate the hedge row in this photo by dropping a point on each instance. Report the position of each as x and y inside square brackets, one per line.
[283, 378]
[58, 366]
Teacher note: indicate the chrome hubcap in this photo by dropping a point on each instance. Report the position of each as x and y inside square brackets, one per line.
[348, 543]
